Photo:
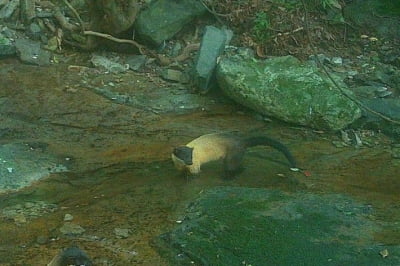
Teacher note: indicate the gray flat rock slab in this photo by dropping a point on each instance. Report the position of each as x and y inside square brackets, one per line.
[21, 164]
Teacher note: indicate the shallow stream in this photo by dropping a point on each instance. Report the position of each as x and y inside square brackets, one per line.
[119, 171]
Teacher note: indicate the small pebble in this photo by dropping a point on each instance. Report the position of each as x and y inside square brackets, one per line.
[68, 217]
[121, 232]
[42, 240]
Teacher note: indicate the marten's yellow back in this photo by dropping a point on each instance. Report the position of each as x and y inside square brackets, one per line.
[210, 147]
[207, 148]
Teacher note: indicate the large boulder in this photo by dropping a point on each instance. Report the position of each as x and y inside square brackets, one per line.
[288, 90]
[112, 17]
[164, 18]
[31, 52]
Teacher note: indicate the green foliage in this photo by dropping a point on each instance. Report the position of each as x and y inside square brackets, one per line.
[4, 40]
[261, 28]
[328, 4]
[389, 7]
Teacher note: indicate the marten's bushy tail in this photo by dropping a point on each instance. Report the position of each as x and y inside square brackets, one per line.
[257, 141]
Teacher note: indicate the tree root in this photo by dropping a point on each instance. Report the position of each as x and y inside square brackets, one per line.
[59, 16]
[163, 60]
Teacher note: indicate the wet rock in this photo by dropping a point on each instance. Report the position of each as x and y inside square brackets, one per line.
[315, 59]
[42, 240]
[21, 165]
[58, 168]
[396, 151]
[34, 31]
[159, 101]
[30, 210]
[7, 10]
[383, 94]
[71, 256]
[162, 19]
[68, 217]
[337, 60]
[121, 232]
[389, 107]
[136, 62]
[107, 64]
[72, 229]
[375, 15]
[370, 92]
[380, 75]
[30, 52]
[365, 91]
[176, 49]
[7, 46]
[19, 218]
[212, 46]
[174, 75]
[284, 88]
[29, 205]
[339, 144]
[28, 11]
[267, 227]
[52, 44]
[321, 58]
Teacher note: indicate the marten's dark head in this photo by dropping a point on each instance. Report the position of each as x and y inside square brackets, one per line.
[185, 154]
[74, 256]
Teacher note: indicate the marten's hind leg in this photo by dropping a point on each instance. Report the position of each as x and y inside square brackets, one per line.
[232, 164]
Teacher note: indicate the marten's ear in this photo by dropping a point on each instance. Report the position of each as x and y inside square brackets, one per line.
[185, 154]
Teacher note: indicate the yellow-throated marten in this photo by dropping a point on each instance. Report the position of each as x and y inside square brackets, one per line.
[230, 148]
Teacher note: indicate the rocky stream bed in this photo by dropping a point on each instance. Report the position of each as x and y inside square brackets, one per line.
[103, 179]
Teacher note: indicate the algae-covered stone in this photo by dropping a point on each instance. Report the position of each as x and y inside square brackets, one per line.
[254, 226]
[286, 89]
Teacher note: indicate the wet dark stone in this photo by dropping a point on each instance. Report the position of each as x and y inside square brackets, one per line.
[388, 107]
